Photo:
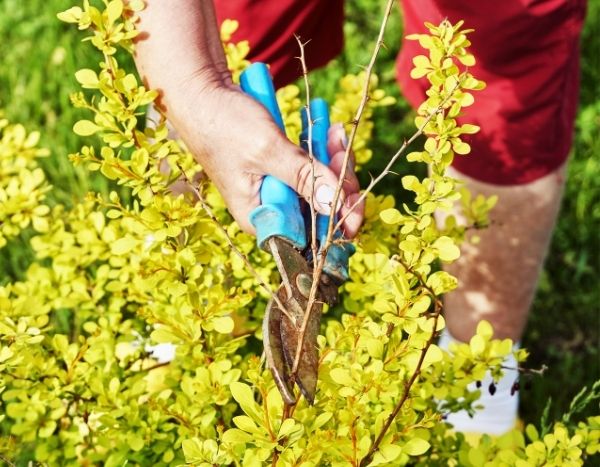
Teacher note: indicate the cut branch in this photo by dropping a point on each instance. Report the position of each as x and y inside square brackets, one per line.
[438, 306]
[235, 249]
[387, 170]
[330, 230]
[311, 156]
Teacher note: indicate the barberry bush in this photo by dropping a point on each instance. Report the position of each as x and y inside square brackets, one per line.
[116, 276]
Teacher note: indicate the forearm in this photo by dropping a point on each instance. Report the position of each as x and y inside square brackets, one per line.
[179, 53]
[179, 49]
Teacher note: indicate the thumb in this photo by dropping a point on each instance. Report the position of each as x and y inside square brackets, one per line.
[293, 167]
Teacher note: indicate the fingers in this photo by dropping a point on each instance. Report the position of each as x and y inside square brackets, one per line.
[337, 140]
[292, 167]
[354, 215]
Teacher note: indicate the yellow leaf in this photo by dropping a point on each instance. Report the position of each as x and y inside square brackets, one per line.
[446, 248]
[415, 447]
[87, 78]
[72, 15]
[123, 245]
[421, 61]
[477, 345]
[85, 128]
[433, 355]
[485, 330]
[114, 10]
[341, 376]
[223, 324]
[460, 147]
[390, 216]
[467, 59]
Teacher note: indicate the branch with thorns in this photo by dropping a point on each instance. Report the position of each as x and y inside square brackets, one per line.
[330, 230]
[334, 225]
[438, 306]
[309, 140]
[235, 249]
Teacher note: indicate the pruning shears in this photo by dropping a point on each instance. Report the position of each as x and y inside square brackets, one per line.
[280, 230]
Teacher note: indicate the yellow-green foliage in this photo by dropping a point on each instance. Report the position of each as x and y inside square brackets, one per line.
[78, 385]
[23, 184]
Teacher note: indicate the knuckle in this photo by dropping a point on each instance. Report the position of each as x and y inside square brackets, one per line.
[303, 177]
[264, 145]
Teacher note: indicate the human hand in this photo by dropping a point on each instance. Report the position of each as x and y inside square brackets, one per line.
[237, 143]
[179, 52]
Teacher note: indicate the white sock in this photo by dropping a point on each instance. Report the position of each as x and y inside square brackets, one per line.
[163, 353]
[500, 411]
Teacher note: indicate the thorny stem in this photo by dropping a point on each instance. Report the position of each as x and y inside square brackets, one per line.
[408, 385]
[235, 249]
[527, 371]
[311, 156]
[330, 229]
[387, 170]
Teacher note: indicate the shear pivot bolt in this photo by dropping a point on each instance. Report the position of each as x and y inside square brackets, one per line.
[304, 283]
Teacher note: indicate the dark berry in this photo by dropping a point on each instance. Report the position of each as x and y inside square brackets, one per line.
[492, 389]
[515, 387]
[478, 384]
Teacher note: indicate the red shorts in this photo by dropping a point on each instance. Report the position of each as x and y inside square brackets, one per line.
[527, 52]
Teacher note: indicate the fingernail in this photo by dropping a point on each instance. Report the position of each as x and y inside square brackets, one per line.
[344, 139]
[338, 129]
[324, 197]
[351, 165]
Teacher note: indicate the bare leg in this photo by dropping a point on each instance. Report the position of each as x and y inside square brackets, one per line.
[497, 281]
[498, 276]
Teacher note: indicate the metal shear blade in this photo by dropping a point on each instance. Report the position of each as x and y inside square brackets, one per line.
[282, 328]
[280, 228]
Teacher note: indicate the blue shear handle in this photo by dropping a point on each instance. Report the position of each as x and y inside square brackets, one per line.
[279, 212]
[336, 264]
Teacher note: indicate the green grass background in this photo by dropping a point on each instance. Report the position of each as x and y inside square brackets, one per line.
[39, 55]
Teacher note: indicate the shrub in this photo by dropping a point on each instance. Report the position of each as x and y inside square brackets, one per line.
[143, 266]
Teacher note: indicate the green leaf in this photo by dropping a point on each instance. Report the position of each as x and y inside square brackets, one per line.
[135, 441]
[446, 248]
[244, 396]
[236, 436]
[476, 456]
[321, 420]
[245, 423]
[192, 449]
[416, 447]
[47, 429]
[433, 355]
[341, 376]
[386, 454]
[460, 147]
[469, 129]
[287, 427]
[467, 59]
